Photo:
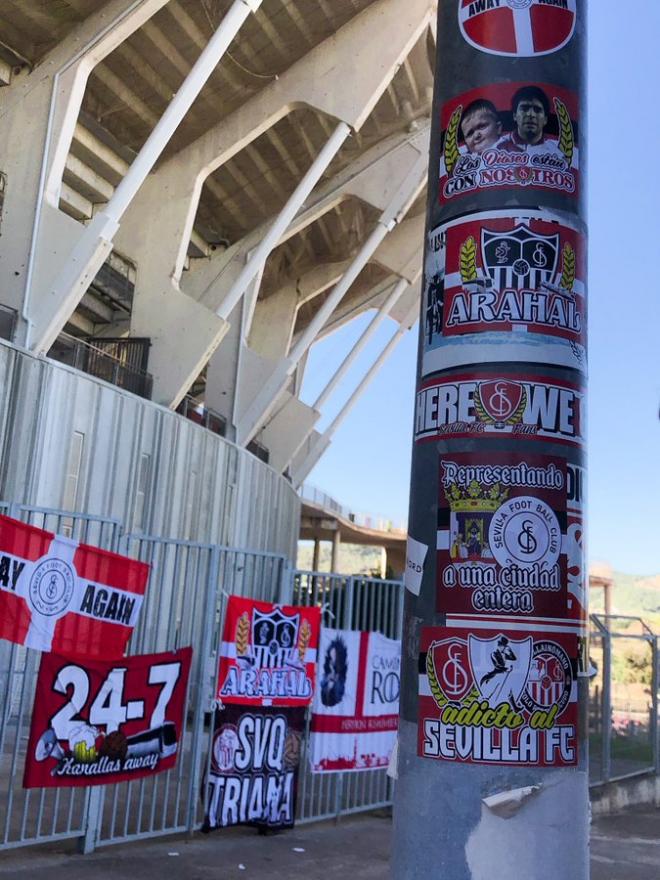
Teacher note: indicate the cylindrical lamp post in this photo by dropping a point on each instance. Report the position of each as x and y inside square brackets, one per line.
[492, 770]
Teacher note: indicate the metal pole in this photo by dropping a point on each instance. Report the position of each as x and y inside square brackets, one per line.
[260, 254]
[96, 241]
[606, 757]
[493, 778]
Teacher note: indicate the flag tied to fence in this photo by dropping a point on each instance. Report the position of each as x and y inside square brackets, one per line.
[59, 595]
[268, 654]
[255, 757]
[355, 713]
[102, 721]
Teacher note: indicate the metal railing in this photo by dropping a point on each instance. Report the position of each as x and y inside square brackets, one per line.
[185, 604]
[366, 520]
[202, 415]
[114, 360]
[623, 699]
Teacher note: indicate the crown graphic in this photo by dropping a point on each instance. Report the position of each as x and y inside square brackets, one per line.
[476, 497]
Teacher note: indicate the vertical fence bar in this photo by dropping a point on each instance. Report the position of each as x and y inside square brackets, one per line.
[654, 706]
[606, 757]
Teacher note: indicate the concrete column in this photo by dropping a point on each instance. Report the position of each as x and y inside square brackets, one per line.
[40, 108]
[86, 258]
[336, 545]
[316, 554]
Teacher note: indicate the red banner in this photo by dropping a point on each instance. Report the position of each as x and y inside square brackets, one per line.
[96, 722]
[268, 654]
[59, 595]
[498, 696]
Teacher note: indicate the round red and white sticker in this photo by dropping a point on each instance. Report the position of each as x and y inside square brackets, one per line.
[520, 28]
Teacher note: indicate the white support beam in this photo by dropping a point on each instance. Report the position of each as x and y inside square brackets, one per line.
[266, 399]
[257, 260]
[400, 287]
[323, 441]
[96, 241]
[40, 108]
[318, 80]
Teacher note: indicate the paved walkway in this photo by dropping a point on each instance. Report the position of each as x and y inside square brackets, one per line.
[624, 847]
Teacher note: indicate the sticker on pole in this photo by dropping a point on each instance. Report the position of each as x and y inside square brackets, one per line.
[499, 697]
[521, 135]
[503, 536]
[499, 287]
[518, 28]
[492, 403]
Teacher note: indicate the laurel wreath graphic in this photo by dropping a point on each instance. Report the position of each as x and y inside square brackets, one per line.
[568, 267]
[303, 639]
[243, 635]
[437, 691]
[485, 416]
[452, 154]
[566, 135]
[468, 258]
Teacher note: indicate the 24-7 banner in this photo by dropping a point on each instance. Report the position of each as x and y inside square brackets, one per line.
[96, 722]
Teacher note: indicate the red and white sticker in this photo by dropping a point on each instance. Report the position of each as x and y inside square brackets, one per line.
[493, 404]
[510, 135]
[504, 540]
[513, 284]
[498, 697]
[519, 28]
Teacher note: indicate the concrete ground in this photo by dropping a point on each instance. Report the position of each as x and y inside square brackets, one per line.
[624, 847]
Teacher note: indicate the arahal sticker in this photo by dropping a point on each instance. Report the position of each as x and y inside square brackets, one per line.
[492, 404]
[513, 284]
[510, 135]
[498, 697]
[502, 535]
[520, 28]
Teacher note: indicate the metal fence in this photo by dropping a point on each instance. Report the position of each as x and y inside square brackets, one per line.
[623, 699]
[357, 603]
[38, 815]
[185, 605]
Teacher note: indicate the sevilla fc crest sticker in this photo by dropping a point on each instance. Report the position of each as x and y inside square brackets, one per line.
[499, 697]
[519, 28]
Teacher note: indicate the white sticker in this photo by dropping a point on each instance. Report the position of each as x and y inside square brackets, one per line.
[415, 556]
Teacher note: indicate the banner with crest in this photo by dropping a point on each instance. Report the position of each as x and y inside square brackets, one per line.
[498, 696]
[496, 402]
[512, 283]
[255, 757]
[268, 653]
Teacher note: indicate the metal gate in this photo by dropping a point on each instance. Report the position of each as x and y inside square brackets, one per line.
[357, 603]
[38, 815]
[185, 605]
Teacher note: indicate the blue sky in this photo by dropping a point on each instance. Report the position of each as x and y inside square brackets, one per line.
[367, 467]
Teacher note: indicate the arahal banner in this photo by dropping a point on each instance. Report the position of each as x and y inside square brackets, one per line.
[59, 595]
[97, 721]
[254, 767]
[268, 654]
[356, 704]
